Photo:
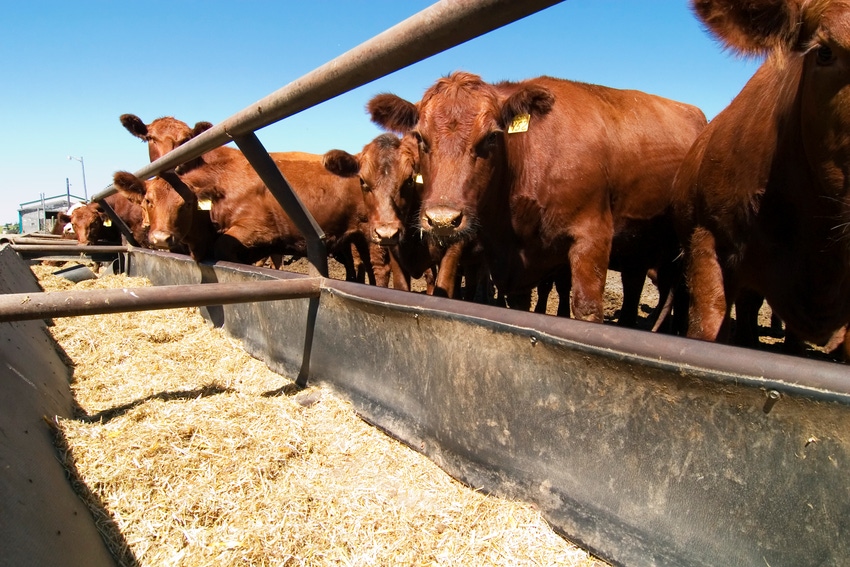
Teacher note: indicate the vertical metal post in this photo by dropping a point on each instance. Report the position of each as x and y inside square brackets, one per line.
[317, 253]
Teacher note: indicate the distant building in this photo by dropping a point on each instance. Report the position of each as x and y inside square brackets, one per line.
[40, 215]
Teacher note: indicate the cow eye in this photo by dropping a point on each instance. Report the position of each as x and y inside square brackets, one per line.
[365, 186]
[825, 56]
[486, 145]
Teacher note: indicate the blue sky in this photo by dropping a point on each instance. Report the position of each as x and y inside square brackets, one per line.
[70, 69]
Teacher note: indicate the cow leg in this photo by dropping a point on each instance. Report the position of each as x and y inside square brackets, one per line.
[447, 272]
[544, 288]
[589, 263]
[367, 251]
[401, 277]
[632, 282]
[382, 264]
[747, 308]
[228, 248]
[708, 309]
[520, 300]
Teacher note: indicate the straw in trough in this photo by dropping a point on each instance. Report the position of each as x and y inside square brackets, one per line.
[190, 452]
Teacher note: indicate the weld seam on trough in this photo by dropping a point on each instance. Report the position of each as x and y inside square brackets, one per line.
[29, 306]
[715, 362]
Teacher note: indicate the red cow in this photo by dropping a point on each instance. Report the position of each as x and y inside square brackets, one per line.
[386, 169]
[246, 214]
[63, 226]
[172, 213]
[92, 225]
[763, 200]
[549, 173]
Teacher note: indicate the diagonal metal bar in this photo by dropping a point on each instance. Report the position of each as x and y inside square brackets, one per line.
[118, 222]
[277, 184]
[439, 27]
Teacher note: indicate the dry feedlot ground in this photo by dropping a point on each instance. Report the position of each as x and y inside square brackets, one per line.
[190, 452]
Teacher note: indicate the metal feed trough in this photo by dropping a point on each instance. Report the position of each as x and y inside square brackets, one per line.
[648, 450]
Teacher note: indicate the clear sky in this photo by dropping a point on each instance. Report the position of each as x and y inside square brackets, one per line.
[68, 70]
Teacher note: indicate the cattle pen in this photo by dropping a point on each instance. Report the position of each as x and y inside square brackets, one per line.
[646, 449]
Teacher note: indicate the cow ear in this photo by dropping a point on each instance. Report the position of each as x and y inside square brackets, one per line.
[63, 218]
[135, 126]
[410, 153]
[532, 100]
[130, 186]
[754, 27]
[201, 127]
[341, 163]
[393, 113]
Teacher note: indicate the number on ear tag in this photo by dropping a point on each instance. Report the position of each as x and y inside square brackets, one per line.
[519, 123]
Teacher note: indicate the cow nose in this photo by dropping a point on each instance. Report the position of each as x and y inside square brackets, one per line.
[443, 220]
[386, 234]
[161, 239]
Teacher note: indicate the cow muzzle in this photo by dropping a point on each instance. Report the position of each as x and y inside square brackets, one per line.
[161, 239]
[386, 235]
[442, 221]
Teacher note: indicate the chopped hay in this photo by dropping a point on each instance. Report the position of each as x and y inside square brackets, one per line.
[190, 452]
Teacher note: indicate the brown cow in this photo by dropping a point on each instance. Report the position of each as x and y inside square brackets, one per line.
[172, 214]
[763, 200]
[549, 173]
[386, 169]
[92, 225]
[246, 214]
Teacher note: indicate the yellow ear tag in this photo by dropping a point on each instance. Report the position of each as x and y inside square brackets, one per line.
[204, 205]
[419, 179]
[519, 123]
[107, 222]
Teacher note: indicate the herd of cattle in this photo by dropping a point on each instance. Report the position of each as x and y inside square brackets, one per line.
[552, 182]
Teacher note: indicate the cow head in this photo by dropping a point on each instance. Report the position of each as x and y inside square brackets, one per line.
[168, 210]
[387, 170]
[809, 45]
[88, 223]
[460, 127]
[163, 134]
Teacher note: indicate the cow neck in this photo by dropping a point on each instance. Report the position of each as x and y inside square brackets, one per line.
[207, 175]
[500, 240]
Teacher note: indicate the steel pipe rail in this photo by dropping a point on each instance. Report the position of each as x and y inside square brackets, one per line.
[65, 249]
[29, 306]
[431, 31]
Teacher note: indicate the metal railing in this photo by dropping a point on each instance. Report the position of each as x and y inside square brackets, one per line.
[439, 27]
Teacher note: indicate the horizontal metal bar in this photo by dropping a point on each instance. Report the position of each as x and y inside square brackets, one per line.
[47, 239]
[28, 306]
[64, 249]
[433, 30]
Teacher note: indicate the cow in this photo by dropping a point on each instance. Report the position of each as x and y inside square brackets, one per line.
[762, 200]
[388, 174]
[386, 170]
[549, 173]
[172, 213]
[92, 225]
[246, 214]
[63, 226]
